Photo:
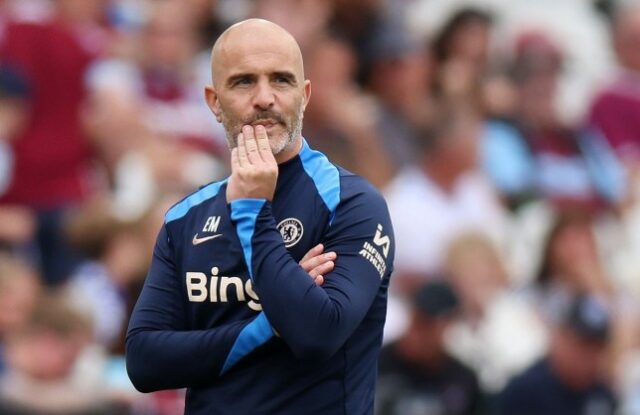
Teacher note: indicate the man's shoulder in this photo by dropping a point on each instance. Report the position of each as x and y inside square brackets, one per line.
[352, 183]
[360, 199]
[204, 194]
[335, 184]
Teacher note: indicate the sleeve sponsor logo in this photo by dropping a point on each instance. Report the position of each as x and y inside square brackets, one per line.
[382, 241]
[371, 252]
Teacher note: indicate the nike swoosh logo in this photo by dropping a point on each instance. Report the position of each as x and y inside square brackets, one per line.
[198, 241]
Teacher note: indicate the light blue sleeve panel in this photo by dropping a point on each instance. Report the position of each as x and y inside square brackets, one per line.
[325, 176]
[244, 213]
[181, 208]
[255, 334]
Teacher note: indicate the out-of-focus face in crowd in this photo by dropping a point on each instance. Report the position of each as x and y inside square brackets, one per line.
[536, 69]
[571, 256]
[330, 81]
[48, 344]
[19, 290]
[78, 11]
[169, 37]
[627, 37]
[476, 270]
[304, 19]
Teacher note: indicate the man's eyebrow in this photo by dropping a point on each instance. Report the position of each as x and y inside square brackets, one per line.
[233, 78]
[285, 74]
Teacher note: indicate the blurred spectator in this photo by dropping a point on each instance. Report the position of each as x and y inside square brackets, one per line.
[460, 53]
[207, 20]
[571, 264]
[616, 110]
[443, 196]
[398, 74]
[585, 40]
[19, 293]
[16, 222]
[147, 117]
[115, 259]
[306, 20]
[571, 379]
[340, 120]
[43, 376]
[52, 159]
[526, 153]
[13, 97]
[358, 22]
[417, 375]
[498, 333]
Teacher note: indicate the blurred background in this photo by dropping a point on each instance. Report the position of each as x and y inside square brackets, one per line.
[504, 134]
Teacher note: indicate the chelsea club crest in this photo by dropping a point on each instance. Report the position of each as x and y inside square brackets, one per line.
[291, 231]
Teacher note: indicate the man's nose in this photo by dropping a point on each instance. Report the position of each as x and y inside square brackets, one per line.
[265, 96]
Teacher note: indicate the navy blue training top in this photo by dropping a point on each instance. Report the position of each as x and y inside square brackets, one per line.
[227, 312]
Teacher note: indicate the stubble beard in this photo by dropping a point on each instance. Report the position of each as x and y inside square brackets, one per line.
[278, 144]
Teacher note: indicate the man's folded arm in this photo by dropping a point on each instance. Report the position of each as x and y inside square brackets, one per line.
[316, 321]
[161, 351]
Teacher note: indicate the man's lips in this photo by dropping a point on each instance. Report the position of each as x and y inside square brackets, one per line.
[266, 123]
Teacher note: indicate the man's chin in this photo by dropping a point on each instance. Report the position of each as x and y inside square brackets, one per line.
[280, 144]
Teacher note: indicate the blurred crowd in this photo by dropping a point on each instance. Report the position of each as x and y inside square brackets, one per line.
[504, 134]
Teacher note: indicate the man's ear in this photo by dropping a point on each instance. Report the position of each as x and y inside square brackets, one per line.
[307, 92]
[211, 96]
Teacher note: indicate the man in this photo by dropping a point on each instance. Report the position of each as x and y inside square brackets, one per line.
[570, 380]
[226, 310]
[417, 374]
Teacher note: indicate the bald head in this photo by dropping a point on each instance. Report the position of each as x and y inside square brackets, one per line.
[252, 37]
[258, 78]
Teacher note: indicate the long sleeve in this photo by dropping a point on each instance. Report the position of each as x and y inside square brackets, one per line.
[161, 351]
[316, 321]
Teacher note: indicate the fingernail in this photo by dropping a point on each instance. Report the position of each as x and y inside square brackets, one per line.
[330, 255]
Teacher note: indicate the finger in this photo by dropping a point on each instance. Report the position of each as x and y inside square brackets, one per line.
[263, 143]
[235, 163]
[316, 250]
[251, 145]
[322, 269]
[242, 151]
[319, 280]
[318, 260]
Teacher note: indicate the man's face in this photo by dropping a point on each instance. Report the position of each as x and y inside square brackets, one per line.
[259, 82]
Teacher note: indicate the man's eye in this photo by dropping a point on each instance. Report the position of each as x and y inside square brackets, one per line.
[242, 81]
[283, 80]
